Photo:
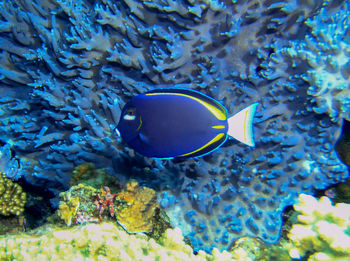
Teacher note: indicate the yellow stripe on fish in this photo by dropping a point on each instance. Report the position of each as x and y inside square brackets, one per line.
[217, 138]
[218, 127]
[220, 115]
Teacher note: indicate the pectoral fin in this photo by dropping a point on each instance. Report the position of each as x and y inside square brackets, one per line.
[144, 139]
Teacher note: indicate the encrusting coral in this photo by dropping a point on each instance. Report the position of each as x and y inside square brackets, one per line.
[85, 169]
[135, 208]
[12, 197]
[68, 207]
[323, 231]
[89, 175]
[103, 241]
[141, 207]
[77, 205]
[318, 231]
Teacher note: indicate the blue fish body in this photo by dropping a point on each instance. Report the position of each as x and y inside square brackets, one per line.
[175, 123]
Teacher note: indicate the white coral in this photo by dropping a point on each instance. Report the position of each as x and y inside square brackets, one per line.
[323, 229]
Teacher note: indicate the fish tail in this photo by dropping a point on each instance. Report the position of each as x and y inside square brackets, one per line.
[240, 125]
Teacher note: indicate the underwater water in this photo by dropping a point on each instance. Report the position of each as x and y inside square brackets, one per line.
[68, 68]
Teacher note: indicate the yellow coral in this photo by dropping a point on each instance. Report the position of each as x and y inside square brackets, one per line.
[138, 215]
[323, 229]
[78, 198]
[12, 197]
[103, 241]
[129, 194]
[81, 170]
[68, 207]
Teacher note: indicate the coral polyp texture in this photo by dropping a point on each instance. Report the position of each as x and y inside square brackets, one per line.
[324, 54]
[68, 67]
[103, 241]
[68, 207]
[135, 209]
[141, 207]
[77, 205]
[12, 197]
[323, 230]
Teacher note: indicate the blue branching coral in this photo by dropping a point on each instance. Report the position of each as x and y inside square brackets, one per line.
[67, 67]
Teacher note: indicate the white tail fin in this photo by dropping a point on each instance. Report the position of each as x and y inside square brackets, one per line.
[240, 125]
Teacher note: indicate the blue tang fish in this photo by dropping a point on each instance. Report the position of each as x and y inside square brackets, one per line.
[181, 123]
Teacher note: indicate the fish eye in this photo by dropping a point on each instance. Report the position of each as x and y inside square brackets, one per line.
[131, 112]
[129, 117]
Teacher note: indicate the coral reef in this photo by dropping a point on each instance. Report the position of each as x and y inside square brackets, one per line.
[12, 224]
[67, 69]
[323, 230]
[83, 170]
[328, 74]
[103, 241]
[105, 201]
[77, 205]
[68, 207]
[141, 207]
[135, 209]
[87, 174]
[12, 197]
